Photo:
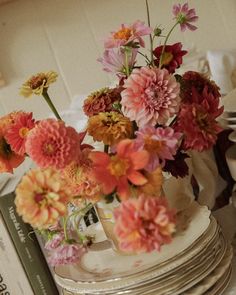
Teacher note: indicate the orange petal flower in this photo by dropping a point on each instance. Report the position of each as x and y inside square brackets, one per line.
[116, 171]
[42, 197]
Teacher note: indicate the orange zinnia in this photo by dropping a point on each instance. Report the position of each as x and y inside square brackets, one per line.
[116, 171]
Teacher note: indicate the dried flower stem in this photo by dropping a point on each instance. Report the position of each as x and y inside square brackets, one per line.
[50, 104]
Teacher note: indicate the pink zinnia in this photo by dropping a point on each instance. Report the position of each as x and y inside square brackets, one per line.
[198, 125]
[114, 60]
[116, 171]
[151, 96]
[55, 241]
[17, 132]
[144, 224]
[52, 144]
[127, 34]
[66, 254]
[185, 16]
[161, 143]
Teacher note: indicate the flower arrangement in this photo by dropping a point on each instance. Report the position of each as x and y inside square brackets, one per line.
[147, 124]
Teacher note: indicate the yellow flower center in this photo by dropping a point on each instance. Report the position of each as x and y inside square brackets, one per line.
[23, 132]
[117, 166]
[49, 148]
[202, 121]
[152, 145]
[167, 58]
[37, 81]
[123, 34]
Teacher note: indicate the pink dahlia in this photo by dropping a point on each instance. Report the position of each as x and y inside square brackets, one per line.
[17, 132]
[185, 16]
[151, 96]
[172, 57]
[144, 224]
[66, 254]
[127, 35]
[52, 144]
[161, 143]
[114, 61]
[198, 125]
[116, 171]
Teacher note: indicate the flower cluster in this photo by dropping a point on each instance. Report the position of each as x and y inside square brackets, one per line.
[147, 124]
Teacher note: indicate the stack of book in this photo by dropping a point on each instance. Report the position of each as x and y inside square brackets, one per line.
[23, 267]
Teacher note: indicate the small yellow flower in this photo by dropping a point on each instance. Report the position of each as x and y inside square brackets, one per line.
[109, 127]
[37, 83]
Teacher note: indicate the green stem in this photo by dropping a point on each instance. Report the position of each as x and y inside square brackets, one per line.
[164, 45]
[150, 36]
[127, 61]
[50, 104]
[144, 55]
[65, 221]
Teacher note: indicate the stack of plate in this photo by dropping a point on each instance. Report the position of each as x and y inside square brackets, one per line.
[198, 261]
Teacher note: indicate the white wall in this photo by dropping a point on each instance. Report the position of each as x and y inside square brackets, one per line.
[66, 36]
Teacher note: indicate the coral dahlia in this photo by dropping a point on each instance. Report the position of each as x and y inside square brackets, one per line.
[144, 224]
[52, 144]
[151, 96]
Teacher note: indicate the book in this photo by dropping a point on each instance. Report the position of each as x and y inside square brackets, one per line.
[28, 249]
[11, 267]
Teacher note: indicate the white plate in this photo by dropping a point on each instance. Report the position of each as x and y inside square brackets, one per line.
[107, 268]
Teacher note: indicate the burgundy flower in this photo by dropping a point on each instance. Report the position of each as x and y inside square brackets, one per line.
[198, 125]
[193, 85]
[177, 167]
[172, 56]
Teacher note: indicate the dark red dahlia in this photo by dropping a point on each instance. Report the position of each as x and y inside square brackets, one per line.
[172, 57]
[198, 125]
[193, 84]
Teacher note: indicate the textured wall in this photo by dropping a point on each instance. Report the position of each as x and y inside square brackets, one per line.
[66, 35]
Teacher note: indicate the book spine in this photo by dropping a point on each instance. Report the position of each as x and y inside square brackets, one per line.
[28, 249]
[11, 267]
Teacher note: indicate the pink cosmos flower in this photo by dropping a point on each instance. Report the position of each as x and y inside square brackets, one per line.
[52, 144]
[151, 96]
[114, 60]
[198, 125]
[127, 34]
[185, 16]
[115, 171]
[144, 224]
[55, 241]
[17, 132]
[161, 143]
[66, 254]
